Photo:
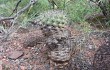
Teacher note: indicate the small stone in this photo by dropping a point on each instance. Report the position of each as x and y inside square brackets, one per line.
[15, 54]
[27, 56]
[23, 67]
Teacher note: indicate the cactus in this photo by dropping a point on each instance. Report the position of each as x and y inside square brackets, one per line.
[53, 17]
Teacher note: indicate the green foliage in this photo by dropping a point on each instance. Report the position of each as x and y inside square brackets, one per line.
[53, 17]
[6, 7]
[40, 6]
[60, 3]
[77, 9]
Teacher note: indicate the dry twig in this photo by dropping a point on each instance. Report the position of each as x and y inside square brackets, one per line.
[14, 17]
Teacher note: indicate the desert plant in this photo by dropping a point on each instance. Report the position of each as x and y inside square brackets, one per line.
[103, 17]
[77, 9]
[53, 17]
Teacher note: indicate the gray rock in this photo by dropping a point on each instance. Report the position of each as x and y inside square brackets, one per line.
[15, 54]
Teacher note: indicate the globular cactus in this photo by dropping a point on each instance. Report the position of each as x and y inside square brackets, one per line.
[53, 17]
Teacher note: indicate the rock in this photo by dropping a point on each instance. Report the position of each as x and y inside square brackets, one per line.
[26, 56]
[23, 68]
[15, 54]
[33, 38]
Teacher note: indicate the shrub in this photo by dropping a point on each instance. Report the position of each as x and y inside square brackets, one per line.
[77, 9]
[53, 17]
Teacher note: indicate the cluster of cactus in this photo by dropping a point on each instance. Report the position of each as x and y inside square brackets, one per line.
[53, 17]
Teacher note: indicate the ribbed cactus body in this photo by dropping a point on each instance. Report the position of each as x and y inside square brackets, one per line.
[53, 17]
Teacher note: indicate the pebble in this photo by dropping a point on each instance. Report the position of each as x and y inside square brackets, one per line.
[26, 56]
[23, 67]
[15, 54]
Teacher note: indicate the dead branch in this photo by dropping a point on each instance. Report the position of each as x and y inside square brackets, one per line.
[15, 9]
[14, 17]
[20, 11]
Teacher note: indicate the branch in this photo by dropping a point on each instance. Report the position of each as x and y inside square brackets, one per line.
[20, 11]
[15, 9]
[15, 17]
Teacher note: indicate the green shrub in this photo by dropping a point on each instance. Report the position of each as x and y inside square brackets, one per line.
[40, 6]
[6, 7]
[53, 17]
[77, 9]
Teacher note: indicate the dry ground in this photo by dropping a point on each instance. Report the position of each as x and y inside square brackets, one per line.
[15, 55]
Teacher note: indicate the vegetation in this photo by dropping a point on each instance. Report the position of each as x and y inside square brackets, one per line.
[54, 34]
[75, 9]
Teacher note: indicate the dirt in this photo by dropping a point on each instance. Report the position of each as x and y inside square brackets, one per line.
[35, 57]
